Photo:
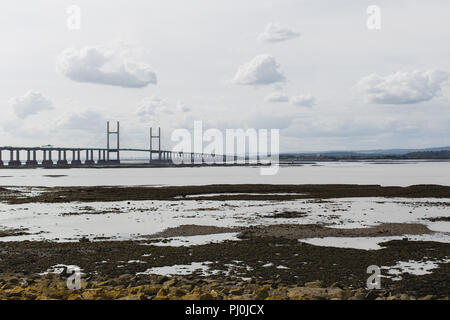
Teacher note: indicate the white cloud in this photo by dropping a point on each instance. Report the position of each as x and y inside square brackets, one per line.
[304, 100]
[84, 120]
[261, 70]
[275, 32]
[276, 97]
[402, 87]
[155, 111]
[30, 103]
[115, 64]
[151, 107]
[181, 107]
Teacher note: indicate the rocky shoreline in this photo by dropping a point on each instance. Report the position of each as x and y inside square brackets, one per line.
[127, 287]
[282, 268]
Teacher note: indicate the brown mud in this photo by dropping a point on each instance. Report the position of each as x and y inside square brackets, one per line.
[193, 230]
[251, 192]
[437, 219]
[296, 231]
[13, 232]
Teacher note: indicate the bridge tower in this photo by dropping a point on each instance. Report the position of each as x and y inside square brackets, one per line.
[158, 138]
[108, 149]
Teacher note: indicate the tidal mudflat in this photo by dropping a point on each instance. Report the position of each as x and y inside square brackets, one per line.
[226, 241]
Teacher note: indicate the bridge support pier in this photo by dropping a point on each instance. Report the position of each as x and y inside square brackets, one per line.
[47, 162]
[31, 162]
[101, 157]
[62, 161]
[75, 158]
[89, 160]
[1, 161]
[12, 162]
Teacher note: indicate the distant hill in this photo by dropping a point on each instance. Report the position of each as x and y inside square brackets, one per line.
[403, 151]
[444, 154]
[427, 153]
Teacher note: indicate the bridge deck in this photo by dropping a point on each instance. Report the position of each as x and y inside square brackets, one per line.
[15, 148]
[9, 148]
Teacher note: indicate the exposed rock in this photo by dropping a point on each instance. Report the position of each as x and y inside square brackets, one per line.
[314, 284]
[262, 292]
[183, 289]
[235, 291]
[428, 297]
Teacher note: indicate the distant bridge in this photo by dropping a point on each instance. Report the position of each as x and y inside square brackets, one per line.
[102, 156]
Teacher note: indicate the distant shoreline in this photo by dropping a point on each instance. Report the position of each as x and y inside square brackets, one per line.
[282, 162]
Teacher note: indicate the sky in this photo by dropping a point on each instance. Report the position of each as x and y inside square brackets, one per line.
[331, 75]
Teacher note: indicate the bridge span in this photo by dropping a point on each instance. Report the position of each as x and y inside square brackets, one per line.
[109, 156]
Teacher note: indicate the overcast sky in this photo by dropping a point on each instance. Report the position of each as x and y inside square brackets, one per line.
[311, 68]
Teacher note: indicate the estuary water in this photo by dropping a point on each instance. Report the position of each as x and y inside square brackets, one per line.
[394, 173]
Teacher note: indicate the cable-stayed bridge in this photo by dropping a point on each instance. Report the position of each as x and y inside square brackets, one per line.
[51, 156]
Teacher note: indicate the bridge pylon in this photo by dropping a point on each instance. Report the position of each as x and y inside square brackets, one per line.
[158, 138]
[108, 148]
